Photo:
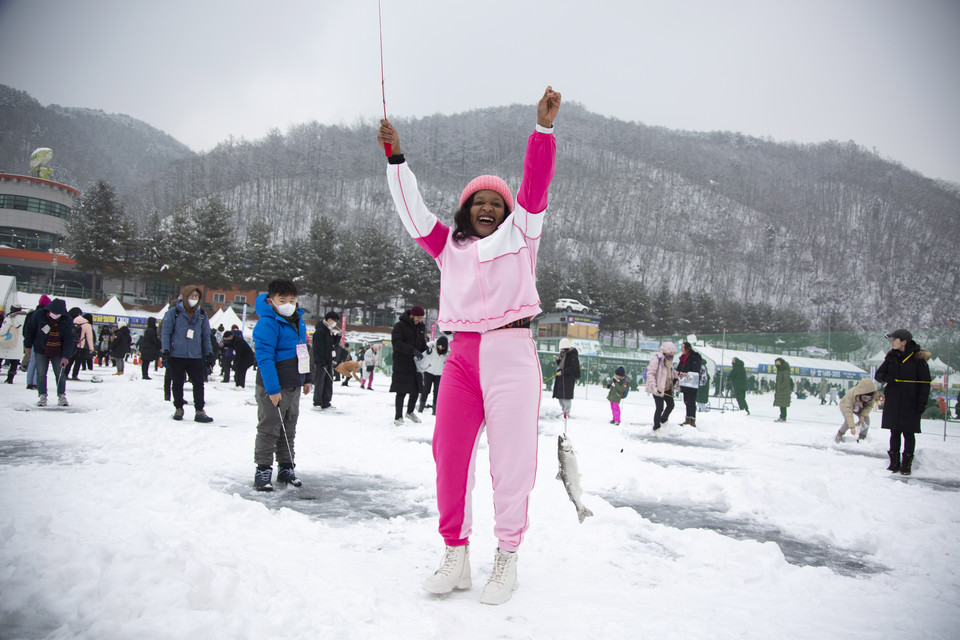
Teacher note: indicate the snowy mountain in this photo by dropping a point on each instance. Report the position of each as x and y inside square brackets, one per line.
[795, 226]
[88, 144]
[826, 230]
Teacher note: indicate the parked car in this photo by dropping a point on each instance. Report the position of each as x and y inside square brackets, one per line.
[569, 304]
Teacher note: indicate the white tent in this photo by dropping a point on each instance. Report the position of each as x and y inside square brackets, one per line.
[8, 292]
[226, 317]
[113, 308]
[938, 367]
[216, 319]
[876, 360]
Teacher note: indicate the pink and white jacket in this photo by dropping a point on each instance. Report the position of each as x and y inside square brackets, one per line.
[485, 283]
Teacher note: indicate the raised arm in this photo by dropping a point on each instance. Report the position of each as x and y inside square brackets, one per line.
[422, 225]
[539, 161]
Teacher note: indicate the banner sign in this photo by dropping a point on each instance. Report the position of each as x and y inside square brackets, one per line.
[134, 322]
[811, 373]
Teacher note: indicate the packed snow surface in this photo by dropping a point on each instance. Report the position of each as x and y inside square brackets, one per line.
[118, 522]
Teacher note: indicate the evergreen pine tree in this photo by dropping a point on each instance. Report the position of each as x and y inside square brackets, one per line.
[216, 261]
[95, 231]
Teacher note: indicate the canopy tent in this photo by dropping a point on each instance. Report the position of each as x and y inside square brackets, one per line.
[876, 360]
[215, 319]
[113, 308]
[937, 367]
[226, 317]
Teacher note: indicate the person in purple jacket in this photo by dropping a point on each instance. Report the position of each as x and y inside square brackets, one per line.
[492, 378]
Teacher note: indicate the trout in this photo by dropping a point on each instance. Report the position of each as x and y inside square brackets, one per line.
[570, 475]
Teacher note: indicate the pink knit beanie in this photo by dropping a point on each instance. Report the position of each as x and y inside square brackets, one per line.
[488, 182]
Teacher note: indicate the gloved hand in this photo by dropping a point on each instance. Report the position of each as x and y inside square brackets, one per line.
[417, 354]
[165, 355]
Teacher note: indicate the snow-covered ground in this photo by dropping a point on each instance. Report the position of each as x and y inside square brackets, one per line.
[117, 522]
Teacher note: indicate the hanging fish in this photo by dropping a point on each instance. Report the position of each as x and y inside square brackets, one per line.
[570, 475]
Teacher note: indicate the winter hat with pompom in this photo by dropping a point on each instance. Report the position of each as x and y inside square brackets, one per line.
[488, 182]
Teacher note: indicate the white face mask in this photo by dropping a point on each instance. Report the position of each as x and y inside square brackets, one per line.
[55, 315]
[286, 309]
[192, 302]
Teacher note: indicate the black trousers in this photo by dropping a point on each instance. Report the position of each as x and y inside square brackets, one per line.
[690, 400]
[323, 387]
[662, 409]
[79, 359]
[240, 377]
[12, 371]
[180, 369]
[145, 368]
[909, 442]
[430, 381]
[741, 397]
[411, 404]
[226, 363]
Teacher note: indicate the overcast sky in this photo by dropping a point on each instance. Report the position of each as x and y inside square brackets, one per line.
[884, 73]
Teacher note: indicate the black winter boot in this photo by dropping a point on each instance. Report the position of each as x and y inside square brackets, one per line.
[907, 463]
[894, 461]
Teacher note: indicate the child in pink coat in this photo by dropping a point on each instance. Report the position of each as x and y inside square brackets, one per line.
[492, 377]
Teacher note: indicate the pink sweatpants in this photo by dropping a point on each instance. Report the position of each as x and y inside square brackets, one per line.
[490, 380]
[615, 408]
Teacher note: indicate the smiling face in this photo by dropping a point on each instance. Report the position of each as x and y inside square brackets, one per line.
[487, 212]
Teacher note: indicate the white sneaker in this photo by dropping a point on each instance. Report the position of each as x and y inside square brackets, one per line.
[62, 401]
[454, 572]
[413, 417]
[398, 422]
[42, 401]
[503, 580]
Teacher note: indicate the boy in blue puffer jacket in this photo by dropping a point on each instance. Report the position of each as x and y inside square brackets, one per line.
[283, 369]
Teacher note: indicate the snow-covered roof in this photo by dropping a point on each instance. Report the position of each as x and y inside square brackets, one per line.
[757, 362]
[31, 300]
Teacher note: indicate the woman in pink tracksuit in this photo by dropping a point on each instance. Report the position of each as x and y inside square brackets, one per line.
[492, 377]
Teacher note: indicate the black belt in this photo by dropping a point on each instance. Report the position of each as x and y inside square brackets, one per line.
[522, 323]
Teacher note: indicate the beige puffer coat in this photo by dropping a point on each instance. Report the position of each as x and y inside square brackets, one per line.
[852, 398]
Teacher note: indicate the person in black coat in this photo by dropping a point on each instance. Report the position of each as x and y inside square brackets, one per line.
[906, 374]
[738, 381]
[568, 370]
[150, 346]
[688, 367]
[409, 342]
[49, 332]
[120, 347]
[324, 346]
[243, 357]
